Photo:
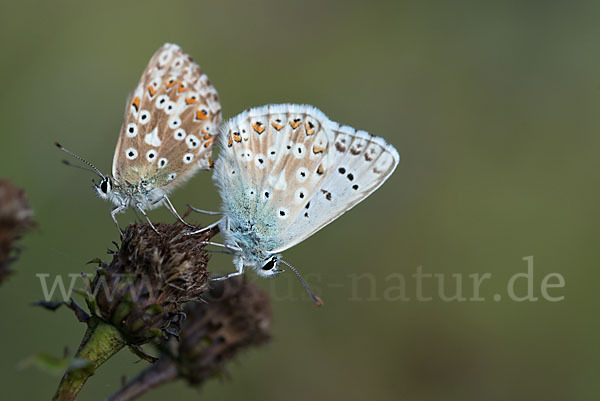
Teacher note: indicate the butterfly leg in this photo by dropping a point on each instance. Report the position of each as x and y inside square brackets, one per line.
[174, 211]
[139, 207]
[113, 212]
[204, 211]
[233, 249]
[239, 272]
[209, 227]
[137, 216]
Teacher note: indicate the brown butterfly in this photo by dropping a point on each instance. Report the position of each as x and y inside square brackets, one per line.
[170, 123]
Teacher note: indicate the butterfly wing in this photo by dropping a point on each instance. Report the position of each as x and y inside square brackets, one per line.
[280, 170]
[356, 164]
[170, 122]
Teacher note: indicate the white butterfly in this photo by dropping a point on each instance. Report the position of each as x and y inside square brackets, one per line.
[286, 171]
[167, 136]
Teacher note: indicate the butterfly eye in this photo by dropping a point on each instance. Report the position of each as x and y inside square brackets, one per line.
[131, 130]
[179, 134]
[270, 264]
[104, 186]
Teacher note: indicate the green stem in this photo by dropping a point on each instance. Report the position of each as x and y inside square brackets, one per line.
[100, 342]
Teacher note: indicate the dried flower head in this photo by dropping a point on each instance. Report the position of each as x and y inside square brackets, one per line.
[142, 291]
[15, 218]
[234, 316]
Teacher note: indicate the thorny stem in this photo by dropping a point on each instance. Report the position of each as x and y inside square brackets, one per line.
[161, 372]
[100, 342]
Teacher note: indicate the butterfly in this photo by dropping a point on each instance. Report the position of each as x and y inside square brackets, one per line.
[286, 171]
[170, 125]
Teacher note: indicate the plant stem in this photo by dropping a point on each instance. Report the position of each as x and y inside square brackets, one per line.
[161, 372]
[100, 342]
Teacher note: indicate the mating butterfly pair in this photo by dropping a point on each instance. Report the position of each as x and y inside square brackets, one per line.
[283, 173]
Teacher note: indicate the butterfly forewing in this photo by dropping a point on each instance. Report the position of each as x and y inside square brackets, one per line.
[170, 122]
[280, 169]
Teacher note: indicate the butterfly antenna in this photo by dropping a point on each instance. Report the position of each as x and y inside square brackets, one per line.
[312, 296]
[86, 168]
[93, 168]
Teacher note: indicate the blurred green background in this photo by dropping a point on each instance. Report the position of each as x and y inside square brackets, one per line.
[493, 107]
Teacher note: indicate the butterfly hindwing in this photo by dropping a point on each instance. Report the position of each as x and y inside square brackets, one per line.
[277, 170]
[357, 163]
[170, 122]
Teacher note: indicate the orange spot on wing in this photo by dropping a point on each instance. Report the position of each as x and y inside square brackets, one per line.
[207, 136]
[318, 149]
[151, 90]
[258, 128]
[170, 84]
[207, 144]
[201, 114]
[189, 100]
[136, 103]
[295, 123]
[229, 142]
[320, 170]
[276, 126]
[181, 87]
[237, 137]
[309, 130]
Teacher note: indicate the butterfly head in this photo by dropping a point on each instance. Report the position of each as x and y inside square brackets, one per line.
[108, 189]
[269, 265]
[104, 189]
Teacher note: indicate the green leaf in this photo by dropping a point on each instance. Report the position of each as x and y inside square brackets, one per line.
[46, 363]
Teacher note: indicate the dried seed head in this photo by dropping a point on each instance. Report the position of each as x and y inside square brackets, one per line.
[235, 315]
[143, 289]
[15, 218]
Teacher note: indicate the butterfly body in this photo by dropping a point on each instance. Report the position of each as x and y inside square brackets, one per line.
[255, 242]
[286, 171]
[124, 194]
